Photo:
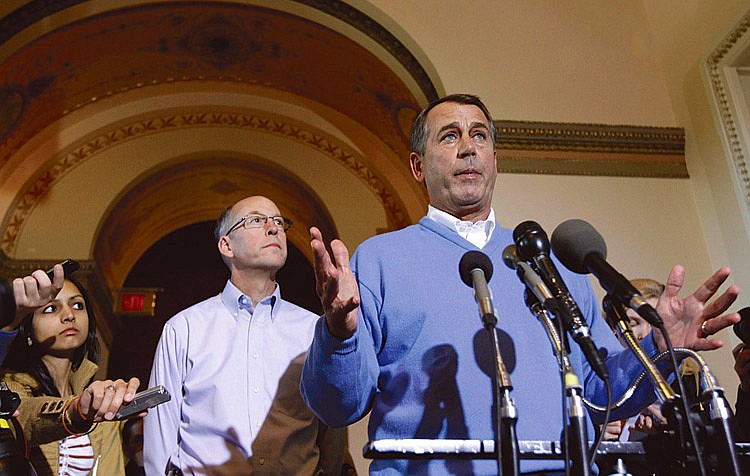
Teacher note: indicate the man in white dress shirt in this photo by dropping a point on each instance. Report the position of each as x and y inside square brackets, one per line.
[232, 364]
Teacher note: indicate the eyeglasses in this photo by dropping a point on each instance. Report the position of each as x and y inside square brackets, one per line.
[259, 221]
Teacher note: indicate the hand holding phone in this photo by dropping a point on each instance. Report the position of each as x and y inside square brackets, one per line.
[143, 401]
[69, 266]
[17, 301]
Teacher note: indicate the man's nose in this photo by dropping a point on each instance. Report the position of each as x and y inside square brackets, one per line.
[272, 228]
[466, 148]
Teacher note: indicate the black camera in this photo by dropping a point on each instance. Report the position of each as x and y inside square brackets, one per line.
[7, 303]
[742, 328]
[9, 402]
[12, 459]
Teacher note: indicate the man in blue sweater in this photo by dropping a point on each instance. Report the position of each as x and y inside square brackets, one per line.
[401, 338]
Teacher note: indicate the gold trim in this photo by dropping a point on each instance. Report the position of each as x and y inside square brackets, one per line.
[590, 149]
[714, 65]
[27, 201]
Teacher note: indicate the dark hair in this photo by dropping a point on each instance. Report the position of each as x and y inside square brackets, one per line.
[25, 358]
[419, 130]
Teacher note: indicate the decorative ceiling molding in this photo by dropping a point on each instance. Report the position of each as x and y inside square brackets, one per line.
[36, 10]
[29, 198]
[146, 44]
[717, 61]
[590, 149]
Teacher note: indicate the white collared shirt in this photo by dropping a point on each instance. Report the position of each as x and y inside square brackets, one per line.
[478, 233]
[224, 361]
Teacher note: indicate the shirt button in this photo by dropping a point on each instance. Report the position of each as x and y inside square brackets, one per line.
[262, 461]
[256, 390]
[255, 355]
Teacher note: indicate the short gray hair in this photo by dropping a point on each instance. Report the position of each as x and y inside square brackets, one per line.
[223, 223]
[419, 130]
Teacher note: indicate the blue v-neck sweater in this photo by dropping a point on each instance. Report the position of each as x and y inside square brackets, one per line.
[421, 360]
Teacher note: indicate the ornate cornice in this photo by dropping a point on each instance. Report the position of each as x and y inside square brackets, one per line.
[70, 158]
[590, 149]
[714, 66]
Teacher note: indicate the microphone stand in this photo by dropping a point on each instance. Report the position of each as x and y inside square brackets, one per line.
[475, 269]
[721, 420]
[575, 427]
[577, 422]
[719, 413]
[622, 324]
[506, 439]
[675, 408]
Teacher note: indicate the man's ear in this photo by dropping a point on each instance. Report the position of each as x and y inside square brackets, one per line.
[415, 162]
[225, 247]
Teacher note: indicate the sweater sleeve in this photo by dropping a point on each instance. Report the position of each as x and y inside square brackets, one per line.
[340, 376]
[339, 379]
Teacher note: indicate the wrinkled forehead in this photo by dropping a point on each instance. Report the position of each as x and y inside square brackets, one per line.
[467, 115]
[255, 205]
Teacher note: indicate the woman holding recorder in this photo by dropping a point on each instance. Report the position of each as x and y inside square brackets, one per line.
[66, 417]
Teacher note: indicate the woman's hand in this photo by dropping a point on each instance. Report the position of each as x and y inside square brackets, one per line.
[103, 398]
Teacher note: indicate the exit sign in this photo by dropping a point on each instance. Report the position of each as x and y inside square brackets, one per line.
[136, 301]
[132, 302]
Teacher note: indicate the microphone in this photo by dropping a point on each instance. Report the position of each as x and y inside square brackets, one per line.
[533, 246]
[742, 328]
[475, 269]
[582, 250]
[529, 277]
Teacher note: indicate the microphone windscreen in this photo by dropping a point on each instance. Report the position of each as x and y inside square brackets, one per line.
[742, 328]
[472, 260]
[573, 241]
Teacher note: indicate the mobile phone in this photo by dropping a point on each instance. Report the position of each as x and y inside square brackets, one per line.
[143, 401]
[69, 266]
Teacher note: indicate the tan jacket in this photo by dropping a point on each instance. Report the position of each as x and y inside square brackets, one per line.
[41, 420]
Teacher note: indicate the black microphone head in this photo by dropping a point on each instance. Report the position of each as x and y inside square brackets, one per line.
[574, 240]
[472, 260]
[531, 240]
[742, 328]
[510, 256]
